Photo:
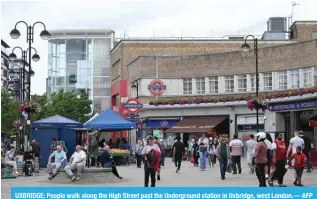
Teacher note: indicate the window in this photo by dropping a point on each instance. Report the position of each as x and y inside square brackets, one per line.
[294, 78]
[242, 83]
[267, 80]
[213, 84]
[253, 82]
[307, 77]
[200, 85]
[187, 86]
[282, 80]
[229, 84]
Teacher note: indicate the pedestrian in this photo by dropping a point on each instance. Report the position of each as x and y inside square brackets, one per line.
[306, 150]
[236, 146]
[138, 153]
[223, 155]
[162, 149]
[59, 156]
[36, 150]
[250, 146]
[152, 155]
[195, 152]
[163, 153]
[54, 145]
[294, 143]
[278, 161]
[268, 141]
[211, 151]
[9, 160]
[203, 145]
[178, 151]
[260, 158]
[299, 164]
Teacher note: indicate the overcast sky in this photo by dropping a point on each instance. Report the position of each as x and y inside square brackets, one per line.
[145, 18]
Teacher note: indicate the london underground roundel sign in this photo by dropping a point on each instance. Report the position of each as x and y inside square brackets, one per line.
[132, 105]
[157, 87]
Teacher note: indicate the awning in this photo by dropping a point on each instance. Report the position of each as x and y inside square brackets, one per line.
[313, 121]
[196, 124]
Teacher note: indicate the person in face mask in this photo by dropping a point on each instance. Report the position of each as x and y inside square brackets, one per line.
[279, 161]
[260, 158]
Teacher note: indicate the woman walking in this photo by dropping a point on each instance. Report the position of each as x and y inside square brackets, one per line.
[138, 153]
[203, 145]
[260, 158]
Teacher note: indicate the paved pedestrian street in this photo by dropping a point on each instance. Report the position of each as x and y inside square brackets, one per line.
[189, 176]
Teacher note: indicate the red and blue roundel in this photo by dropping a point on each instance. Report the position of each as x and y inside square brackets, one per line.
[157, 87]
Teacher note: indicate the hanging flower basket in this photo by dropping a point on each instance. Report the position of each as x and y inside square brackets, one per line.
[29, 107]
[257, 104]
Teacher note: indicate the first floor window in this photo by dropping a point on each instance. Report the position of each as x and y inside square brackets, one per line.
[229, 84]
[242, 83]
[213, 84]
[253, 82]
[294, 78]
[282, 80]
[307, 77]
[200, 85]
[187, 86]
[267, 80]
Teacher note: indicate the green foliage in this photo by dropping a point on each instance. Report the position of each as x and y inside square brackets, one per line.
[9, 111]
[69, 105]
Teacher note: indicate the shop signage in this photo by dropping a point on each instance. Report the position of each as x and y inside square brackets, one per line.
[164, 123]
[132, 105]
[157, 87]
[184, 127]
[293, 106]
[161, 123]
[133, 117]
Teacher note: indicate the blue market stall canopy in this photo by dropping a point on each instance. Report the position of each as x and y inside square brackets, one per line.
[56, 121]
[108, 120]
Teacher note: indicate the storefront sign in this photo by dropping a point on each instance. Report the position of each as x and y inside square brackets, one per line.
[157, 87]
[161, 123]
[184, 127]
[158, 133]
[293, 106]
[132, 105]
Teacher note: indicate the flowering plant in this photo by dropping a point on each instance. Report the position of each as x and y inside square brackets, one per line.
[29, 107]
[257, 104]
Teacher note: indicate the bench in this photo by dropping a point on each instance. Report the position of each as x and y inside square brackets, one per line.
[89, 175]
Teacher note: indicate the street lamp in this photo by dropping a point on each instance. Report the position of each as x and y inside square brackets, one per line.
[35, 58]
[136, 86]
[15, 34]
[16, 76]
[246, 47]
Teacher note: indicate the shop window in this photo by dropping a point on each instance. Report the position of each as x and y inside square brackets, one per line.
[200, 85]
[307, 77]
[242, 83]
[213, 84]
[229, 84]
[294, 78]
[187, 86]
[267, 80]
[282, 80]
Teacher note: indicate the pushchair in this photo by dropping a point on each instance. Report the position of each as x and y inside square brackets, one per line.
[28, 168]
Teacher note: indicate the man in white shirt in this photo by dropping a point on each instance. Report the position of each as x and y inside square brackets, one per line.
[294, 143]
[236, 146]
[77, 162]
[250, 146]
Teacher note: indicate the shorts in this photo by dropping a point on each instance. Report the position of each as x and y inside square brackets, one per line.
[299, 171]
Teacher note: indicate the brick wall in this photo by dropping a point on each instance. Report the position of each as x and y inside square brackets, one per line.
[275, 58]
[303, 31]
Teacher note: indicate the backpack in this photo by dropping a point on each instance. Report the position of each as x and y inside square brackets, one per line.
[151, 157]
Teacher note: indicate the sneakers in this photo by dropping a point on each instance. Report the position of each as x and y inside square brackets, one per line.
[77, 178]
[176, 170]
[73, 178]
[240, 171]
[222, 178]
[16, 173]
[266, 176]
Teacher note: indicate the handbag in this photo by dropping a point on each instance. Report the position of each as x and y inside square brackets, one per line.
[192, 159]
[229, 168]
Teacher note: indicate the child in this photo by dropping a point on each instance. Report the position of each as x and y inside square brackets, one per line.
[299, 163]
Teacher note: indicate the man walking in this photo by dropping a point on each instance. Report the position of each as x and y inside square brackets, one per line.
[294, 143]
[179, 150]
[236, 151]
[279, 160]
[306, 150]
[36, 150]
[223, 155]
[250, 152]
[59, 157]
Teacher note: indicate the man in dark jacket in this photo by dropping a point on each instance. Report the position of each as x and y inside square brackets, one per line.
[106, 160]
[178, 151]
[306, 150]
[36, 150]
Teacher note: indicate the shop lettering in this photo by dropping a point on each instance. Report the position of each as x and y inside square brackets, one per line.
[299, 105]
[183, 127]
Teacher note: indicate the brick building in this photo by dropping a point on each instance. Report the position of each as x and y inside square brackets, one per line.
[213, 79]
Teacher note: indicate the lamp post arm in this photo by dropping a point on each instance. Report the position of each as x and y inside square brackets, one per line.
[39, 22]
[29, 50]
[16, 48]
[27, 28]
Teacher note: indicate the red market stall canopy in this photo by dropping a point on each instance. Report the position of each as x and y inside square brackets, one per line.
[196, 124]
[313, 121]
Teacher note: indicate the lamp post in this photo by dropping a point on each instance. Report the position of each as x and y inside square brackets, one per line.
[15, 34]
[136, 86]
[35, 57]
[246, 47]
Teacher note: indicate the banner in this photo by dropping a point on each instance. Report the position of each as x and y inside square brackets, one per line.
[162, 192]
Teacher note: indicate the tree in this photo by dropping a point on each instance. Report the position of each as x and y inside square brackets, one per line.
[69, 105]
[9, 111]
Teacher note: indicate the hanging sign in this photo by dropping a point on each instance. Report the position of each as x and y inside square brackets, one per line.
[132, 105]
[157, 87]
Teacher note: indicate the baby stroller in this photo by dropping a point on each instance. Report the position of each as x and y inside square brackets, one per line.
[28, 169]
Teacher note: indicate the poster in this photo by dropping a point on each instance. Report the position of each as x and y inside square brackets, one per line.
[158, 134]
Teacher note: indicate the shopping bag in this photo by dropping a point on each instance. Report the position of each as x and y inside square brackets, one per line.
[229, 167]
[192, 159]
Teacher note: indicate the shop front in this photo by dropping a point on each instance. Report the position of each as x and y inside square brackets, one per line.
[157, 126]
[246, 125]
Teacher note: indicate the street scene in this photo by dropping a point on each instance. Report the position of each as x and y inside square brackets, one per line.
[158, 94]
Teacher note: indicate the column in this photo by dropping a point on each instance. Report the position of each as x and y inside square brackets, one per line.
[232, 120]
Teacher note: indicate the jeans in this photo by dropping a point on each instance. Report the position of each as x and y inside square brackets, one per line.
[223, 161]
[202, 159]
[236, 161]
[260, 173]
[54, 168]
[149, 173]
[162, 159]
[138, 160]
[79, 167]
